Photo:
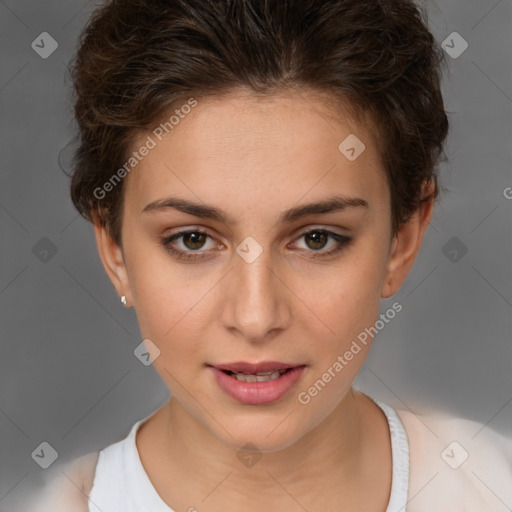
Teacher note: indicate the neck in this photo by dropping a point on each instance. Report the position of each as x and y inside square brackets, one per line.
[330, 456]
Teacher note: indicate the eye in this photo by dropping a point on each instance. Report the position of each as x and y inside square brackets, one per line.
[317, 239]
[192, 241]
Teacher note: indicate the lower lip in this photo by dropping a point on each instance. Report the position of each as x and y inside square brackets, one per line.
[257, 393]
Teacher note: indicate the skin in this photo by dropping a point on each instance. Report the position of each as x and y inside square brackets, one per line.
[254, 158]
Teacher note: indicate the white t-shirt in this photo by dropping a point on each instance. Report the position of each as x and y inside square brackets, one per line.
[441, 463]
[122, 485]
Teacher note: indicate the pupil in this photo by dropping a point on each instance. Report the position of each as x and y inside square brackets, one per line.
[193, 237]
[315, 237]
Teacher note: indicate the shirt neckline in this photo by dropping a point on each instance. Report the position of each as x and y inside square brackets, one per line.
[149, 499]
[400, 459]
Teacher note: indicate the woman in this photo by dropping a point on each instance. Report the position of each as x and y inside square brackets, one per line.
[260, 174]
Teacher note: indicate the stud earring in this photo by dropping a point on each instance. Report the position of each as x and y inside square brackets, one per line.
[123, 301]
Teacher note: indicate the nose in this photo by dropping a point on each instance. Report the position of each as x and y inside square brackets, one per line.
[257, 303]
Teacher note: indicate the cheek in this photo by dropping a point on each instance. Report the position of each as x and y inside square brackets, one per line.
[347, 297]
[348, 305]
[171, 311]
[167, 299]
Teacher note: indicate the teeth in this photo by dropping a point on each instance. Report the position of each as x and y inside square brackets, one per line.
[258, 377]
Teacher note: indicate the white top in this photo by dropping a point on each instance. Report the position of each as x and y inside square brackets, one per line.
[440, 463]
[122, 484]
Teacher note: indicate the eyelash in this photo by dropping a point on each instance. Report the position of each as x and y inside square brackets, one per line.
[343, 241]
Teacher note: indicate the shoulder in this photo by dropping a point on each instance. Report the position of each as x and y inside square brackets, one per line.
[67, 487]
[457, 462]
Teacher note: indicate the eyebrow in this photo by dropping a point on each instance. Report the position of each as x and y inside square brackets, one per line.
[331, 204]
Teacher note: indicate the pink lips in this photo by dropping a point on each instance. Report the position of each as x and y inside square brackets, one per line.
[256, 393]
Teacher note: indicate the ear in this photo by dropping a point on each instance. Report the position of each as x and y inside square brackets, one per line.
[407, 242]
[111, 256]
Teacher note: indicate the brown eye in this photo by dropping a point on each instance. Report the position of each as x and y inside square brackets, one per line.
[318, 239]
[194, 240]
[191, 241]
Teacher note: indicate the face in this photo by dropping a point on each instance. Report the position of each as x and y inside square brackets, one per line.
[224, 263]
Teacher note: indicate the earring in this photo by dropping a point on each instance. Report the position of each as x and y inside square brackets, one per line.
[123, 301]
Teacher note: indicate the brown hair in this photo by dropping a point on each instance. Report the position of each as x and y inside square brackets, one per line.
[139, 59]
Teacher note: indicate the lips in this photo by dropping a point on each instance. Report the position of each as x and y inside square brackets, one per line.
[243, 381]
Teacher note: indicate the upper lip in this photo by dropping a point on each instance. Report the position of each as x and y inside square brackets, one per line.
[263, 366]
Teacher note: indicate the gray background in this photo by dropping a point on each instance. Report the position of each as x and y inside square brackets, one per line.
[68, 373]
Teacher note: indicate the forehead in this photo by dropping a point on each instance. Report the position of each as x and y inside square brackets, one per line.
[238, 146]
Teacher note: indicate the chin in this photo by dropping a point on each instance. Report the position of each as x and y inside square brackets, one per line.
[268, 433]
